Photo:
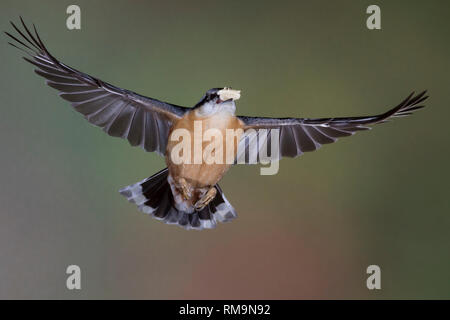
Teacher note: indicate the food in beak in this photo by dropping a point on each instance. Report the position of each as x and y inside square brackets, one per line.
[227, 94]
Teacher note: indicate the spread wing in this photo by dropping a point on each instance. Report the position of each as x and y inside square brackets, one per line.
[299, 135]
[143, 121]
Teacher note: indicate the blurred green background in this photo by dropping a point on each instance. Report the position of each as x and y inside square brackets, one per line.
[380, 197]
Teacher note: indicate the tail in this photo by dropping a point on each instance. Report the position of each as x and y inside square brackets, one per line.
[154, 197]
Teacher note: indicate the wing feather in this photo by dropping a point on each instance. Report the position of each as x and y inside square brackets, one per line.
[143, 121]
[299, 135]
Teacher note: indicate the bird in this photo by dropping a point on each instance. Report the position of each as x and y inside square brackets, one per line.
[187, 193]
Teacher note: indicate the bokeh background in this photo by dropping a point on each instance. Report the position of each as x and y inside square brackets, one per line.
[380, 197]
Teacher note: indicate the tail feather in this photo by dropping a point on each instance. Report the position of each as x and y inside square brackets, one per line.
[153, 196]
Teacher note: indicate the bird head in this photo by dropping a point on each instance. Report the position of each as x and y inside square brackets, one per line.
[219, 95]
[218, 99]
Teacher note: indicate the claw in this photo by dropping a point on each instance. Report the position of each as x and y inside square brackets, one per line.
[207, 198]
[185, 190]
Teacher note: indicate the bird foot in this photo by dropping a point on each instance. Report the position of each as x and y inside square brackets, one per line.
[185, 190]
[207, 198]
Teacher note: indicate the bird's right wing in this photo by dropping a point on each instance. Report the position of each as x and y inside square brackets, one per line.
[298, 135]
[143, 121]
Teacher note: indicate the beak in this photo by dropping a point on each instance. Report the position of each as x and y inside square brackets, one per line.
[228, 93]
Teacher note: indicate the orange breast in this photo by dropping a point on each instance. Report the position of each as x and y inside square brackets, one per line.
[212, 145]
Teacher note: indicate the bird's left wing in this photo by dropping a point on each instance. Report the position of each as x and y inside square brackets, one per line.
[143, 121]
[299, 135]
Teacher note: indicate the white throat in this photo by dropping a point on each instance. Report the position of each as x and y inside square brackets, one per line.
[210, 108]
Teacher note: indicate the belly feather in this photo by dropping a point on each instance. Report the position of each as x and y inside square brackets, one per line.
[206, 174]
